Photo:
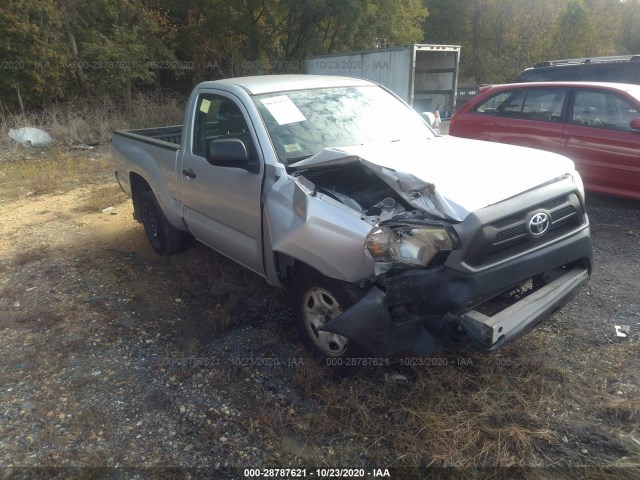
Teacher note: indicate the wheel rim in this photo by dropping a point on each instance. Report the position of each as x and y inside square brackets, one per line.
[152, 226]
[319, 307]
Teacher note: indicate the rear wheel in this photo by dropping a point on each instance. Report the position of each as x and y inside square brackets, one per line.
[164, 238]
[316, 301]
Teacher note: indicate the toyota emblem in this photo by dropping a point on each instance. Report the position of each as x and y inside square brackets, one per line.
[539, 224]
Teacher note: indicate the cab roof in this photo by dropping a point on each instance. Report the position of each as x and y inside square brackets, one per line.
[260, 84]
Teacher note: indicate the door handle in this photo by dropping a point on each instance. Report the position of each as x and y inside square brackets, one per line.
[578, 137]
[188, 172]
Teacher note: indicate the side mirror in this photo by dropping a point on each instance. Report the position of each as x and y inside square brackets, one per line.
[229, 152]
[635, 123]
[430, 118]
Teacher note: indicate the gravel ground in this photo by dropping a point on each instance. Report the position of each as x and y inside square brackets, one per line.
[114, 357]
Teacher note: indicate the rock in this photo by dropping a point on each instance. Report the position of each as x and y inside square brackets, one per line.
[32, 137]
[182, 409]
[187, 448]
[28, 406]
[622, 331]
[224, 439]
[584, 450]
[109, 211]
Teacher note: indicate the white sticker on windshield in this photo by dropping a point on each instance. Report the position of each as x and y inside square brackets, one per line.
[283, 110]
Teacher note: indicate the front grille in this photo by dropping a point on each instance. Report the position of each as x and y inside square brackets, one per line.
[562, 213]
[510, 236]
[510, 233]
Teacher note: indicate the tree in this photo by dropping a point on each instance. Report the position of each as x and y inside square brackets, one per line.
[34, 59]
[73, 48]
[118, 44]
[575, 31]
[629, 41]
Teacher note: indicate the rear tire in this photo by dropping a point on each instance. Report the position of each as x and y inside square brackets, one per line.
[164, 238]
[316, 300]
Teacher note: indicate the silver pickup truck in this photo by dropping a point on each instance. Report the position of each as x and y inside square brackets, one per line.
[390, 238]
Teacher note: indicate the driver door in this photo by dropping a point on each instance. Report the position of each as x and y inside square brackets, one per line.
[222, 204]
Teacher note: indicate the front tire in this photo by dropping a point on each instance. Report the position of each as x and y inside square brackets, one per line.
[316, 300]
[164, 238]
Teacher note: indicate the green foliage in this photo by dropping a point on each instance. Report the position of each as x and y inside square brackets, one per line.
[34, 64]
[500, 38]
[57, 49]
[120, 44]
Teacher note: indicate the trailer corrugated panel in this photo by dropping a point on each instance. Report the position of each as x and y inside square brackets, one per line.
[424, 76]
[387, 67]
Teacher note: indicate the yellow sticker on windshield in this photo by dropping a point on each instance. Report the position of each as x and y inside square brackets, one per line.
[204, 106]
[292, 147]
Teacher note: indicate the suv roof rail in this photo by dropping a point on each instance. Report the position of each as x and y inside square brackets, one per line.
[580, 61]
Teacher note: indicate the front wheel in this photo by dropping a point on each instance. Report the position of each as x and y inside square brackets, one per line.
[164, 238]
[317, 300]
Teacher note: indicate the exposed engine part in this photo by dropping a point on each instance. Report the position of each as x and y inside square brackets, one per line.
[348, 201]
[359, 189]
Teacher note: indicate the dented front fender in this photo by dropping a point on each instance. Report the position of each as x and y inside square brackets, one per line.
[317, 230]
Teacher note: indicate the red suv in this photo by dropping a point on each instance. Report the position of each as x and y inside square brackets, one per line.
[597, 125]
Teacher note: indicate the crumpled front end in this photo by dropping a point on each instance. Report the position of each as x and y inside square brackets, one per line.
[489, 291]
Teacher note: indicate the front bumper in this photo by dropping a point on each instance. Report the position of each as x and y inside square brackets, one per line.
[424, 311]
[496, 331]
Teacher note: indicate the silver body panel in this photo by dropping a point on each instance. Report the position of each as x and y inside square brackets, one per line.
[251, 216]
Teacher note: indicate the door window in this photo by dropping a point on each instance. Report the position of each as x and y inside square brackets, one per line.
[499, 102]
[218, 117]
[602, 110]
[544, 104]
[528, 104]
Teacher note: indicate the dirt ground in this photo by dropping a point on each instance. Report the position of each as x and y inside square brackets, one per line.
[114, 357]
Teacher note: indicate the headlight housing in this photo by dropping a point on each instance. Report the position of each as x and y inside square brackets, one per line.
[577, 180]
[410, 245]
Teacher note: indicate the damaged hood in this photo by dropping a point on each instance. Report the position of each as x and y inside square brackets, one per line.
[447, 176]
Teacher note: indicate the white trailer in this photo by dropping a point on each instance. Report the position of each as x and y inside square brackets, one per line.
[424, 76]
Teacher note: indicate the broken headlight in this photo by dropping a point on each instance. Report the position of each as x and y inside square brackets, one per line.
[577, 180]
[417, 246]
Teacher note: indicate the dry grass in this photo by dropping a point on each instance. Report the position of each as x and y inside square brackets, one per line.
[504, 410]
[39, 173]
[101, 197]
[92, 121]
[203, 274]
[614, 398]
[473, 411]
[34, 171]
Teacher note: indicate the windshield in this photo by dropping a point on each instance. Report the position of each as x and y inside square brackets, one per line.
[303, 122]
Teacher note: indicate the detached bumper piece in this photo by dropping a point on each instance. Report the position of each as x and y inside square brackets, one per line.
[496, 331]
[369, 323]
